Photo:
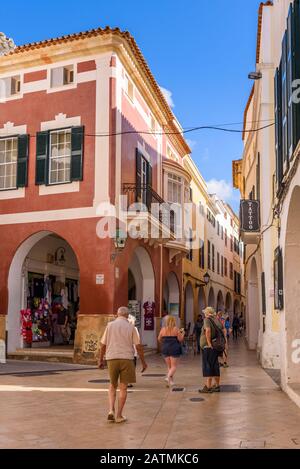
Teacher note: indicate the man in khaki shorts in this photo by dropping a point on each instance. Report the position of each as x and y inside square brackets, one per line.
[117, 344]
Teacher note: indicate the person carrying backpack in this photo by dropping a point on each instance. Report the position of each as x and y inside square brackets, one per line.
[212, 343]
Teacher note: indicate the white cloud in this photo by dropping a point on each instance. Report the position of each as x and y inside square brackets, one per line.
[221, 188]
[168, 96]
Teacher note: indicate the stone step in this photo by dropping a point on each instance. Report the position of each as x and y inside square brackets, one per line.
[47, 355]
[55, 355]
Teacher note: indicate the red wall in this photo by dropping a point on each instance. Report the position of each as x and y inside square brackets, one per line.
[39, 107]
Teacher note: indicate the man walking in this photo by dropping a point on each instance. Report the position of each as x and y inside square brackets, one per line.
[117, 344]
[210, 364]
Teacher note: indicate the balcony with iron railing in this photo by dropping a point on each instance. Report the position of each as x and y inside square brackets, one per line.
[142, 198]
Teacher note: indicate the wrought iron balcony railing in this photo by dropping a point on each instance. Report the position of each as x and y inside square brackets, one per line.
[141, 198]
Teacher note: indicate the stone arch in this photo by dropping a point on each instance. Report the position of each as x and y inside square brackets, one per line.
[141, 270]
[220, 301]
[189, 305]
[17, 298]
[253, 306]
[201, 300]
[211, 298]
[291, 288]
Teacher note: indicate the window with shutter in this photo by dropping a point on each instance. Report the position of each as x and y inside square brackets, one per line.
[208, 254]
[42, 140]
[22, 165]
[289, 80]
[77, 145]
[296, 65]
[138, 175]
[284, 105]
[8, 163]
[59, 156]
[278, 127]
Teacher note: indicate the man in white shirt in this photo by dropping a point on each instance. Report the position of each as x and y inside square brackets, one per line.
[117, 344]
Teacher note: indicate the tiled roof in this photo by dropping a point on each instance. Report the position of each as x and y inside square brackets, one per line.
[134, 48]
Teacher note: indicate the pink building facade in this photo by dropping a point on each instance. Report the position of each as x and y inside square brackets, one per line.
[82, 122]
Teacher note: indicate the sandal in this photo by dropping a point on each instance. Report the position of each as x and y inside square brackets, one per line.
[121, 419]
[205, 390]
[111, 417]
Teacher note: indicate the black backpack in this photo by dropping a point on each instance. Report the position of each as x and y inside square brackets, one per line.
[219, 341]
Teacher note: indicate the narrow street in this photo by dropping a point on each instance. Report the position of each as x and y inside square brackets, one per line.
[59, 405]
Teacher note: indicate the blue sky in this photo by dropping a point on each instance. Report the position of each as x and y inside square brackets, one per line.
[200, 50]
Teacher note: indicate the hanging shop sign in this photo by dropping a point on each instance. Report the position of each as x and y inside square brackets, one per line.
[149, 315]
[250, 216]
[135, 310]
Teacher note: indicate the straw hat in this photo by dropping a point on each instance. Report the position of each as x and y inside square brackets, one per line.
[209, 311]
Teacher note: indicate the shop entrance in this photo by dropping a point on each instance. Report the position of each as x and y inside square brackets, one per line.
[43, 294]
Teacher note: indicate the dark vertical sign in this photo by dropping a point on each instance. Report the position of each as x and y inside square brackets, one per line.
[250, 215]
[278, 279]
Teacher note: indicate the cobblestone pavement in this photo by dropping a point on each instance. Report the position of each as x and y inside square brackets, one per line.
[64, 406]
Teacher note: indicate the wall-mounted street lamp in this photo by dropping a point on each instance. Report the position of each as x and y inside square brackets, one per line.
[119, 242]
[6, 44]
[255, 75]
[206, 278]
[200, 283]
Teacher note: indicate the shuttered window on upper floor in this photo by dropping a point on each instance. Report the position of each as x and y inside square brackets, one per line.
[14, 153]
[59, 156]
[287, 107]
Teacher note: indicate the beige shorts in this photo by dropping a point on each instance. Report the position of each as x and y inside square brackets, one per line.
[121, 369]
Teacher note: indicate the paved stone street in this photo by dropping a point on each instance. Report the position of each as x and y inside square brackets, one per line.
[61, 406]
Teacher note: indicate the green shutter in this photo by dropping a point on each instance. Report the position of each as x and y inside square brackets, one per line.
[278, 127]
[138, 175]
[296, 60]
[77, 144]
[22, 165]
[42, 139]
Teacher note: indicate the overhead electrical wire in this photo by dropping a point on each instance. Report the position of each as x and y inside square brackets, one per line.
[184, 131]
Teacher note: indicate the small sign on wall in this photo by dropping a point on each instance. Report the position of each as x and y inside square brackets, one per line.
[2, 352]
[100, 279]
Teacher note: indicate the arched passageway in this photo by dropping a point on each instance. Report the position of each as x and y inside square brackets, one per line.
[220, 301]
[141, 291]
[291, 288]
[189, 306]
[253, 307]
[43, 283]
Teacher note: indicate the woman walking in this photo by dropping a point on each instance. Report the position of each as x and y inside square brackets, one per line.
[171, 338]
